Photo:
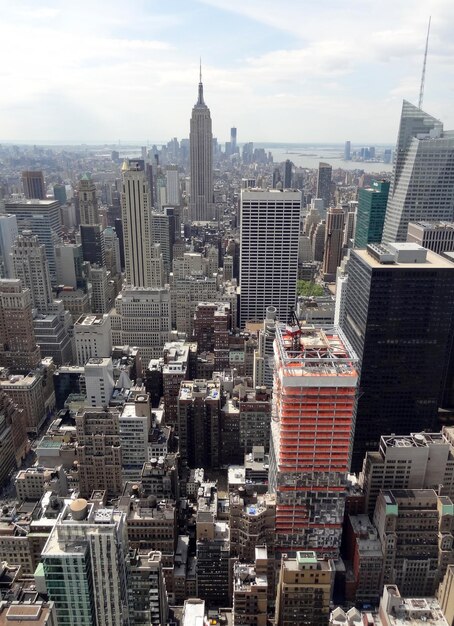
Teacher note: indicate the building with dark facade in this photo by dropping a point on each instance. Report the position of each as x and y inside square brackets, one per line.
[399, 319]
[371, 213]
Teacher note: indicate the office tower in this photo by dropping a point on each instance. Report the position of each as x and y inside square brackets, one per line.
[135, 425]
[88, 202]
[233, 136]
[422, 186]
[351, 211]
[31, 268]
[398, 318]
[27, 391]
[199, 423]
[92, 240]
[324, 184]
[33, 182]
[310, 447]
[213, 557]
[69, 258]
[93, 337]
[136, 213]
[112, 251]
[288, 171]
[277, 181]
[43, 218]
[148, 602]
[318, 241]
[304, 590]
[416, 461]
[435, 236]
[341, 292]
[142, 318]
[99, 381]
[270, 225]
[178, 365]
[101, 300]
[334, 234]
[264, 355]
[201, 207]
[186, 294]
[8, 234]
[53, 333]
[60, 193]
[347, 151]
[7, 452]
[416, 528]
[372, 203]
[84, 563]
[99, 451]
[250, 588]
[119, 230]
[173, 185]
[163, 233]
[18, 348]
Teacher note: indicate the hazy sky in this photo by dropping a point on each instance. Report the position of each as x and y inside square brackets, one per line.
[280, 70]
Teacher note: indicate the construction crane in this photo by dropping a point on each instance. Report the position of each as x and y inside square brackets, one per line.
[423, 76]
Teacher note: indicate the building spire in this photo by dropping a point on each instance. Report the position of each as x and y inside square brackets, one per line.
[200, 100]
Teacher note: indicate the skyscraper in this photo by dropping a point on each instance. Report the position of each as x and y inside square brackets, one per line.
[422, 186]
[288, 167]
[399, 319]
[312, 421]
[8, 234]
[233, 139]
[270, 225]
[201, 207]
[88, 203]
[372, 203]
[347, 151]
[33, 182]
[136, 215]
[324, 184]
[31, 267]
[334, 234]
[43, 218]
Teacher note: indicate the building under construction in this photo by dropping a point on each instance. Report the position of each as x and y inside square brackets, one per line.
[313, 417]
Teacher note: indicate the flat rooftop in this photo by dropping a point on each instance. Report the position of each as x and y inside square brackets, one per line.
[432, 260]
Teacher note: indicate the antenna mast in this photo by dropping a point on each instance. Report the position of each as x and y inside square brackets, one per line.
[423, 76]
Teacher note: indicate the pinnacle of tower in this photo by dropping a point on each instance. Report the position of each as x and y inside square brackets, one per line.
[125, 166]
[200, 100]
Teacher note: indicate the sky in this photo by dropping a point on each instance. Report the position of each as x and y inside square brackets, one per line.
[278, 70]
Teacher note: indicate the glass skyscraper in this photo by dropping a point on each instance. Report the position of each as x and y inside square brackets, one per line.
[371, 213]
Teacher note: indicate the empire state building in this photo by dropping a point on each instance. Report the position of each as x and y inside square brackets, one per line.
[201, 205]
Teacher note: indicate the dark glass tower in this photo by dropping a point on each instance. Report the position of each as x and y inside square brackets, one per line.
[399, 319]
[371, 213]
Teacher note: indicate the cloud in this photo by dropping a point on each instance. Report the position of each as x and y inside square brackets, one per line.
[281, 71]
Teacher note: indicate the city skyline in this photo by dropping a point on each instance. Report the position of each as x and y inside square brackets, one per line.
[275, 79]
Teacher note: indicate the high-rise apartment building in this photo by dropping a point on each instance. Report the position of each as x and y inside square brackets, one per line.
[416, 529]
[33, 182]
[93, 337]
[324, 174]
[136, 215]
[312, 423]
[31, 268]
[84, 563]
[148, 603]
[142, 318]
[372, 203]
[99, 451]
[304, 590]
[422, 186]
[416, 461]
[399, 319]
[43, 218]
[8, 234]
[18, 348]
[201, 206]
[334, 235]
[88, 202]
[270, 226]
